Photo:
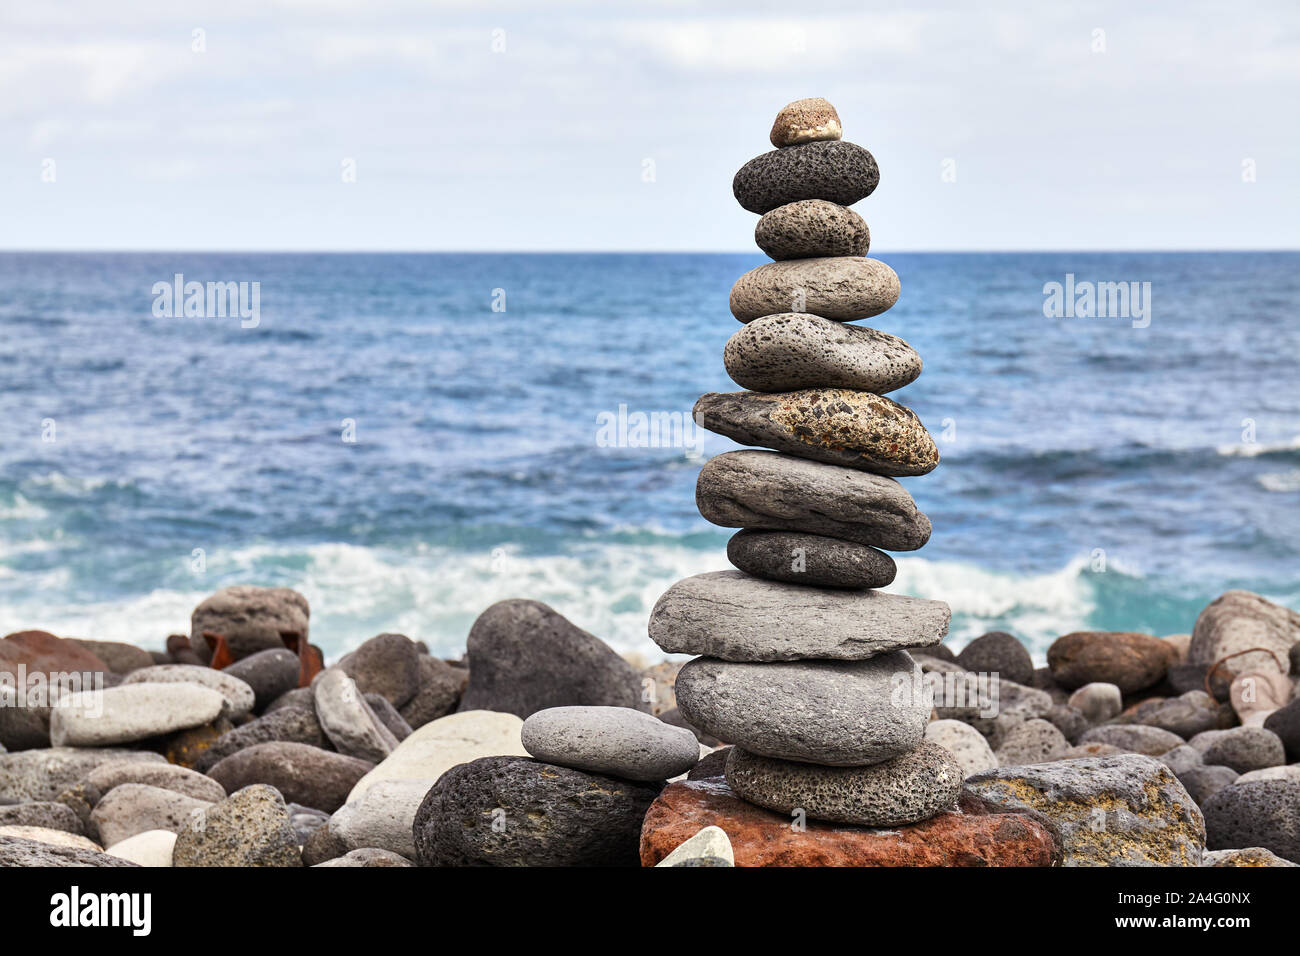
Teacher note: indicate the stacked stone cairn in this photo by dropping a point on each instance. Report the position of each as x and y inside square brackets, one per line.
[802, 663]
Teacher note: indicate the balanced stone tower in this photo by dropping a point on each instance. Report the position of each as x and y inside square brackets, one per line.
[802, 664]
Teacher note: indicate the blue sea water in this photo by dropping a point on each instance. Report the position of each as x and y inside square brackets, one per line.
[1094, 474]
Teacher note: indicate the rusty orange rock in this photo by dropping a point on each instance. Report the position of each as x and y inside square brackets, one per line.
[41, 651]
[975, 833]
[221, 656]
[310, 660]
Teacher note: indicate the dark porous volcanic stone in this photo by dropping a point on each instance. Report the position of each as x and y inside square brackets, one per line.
[1285, 722]
[905, 789]
[513, 811]
[768, 491]
[810, 559]
[288, 724]
[1261, 813]
[854, 429]
[710, 765]
[998, 652]
[316, 778]
[524, 657]
[385, 665]
[270, 673]
[812, 229]
[795, 350]
[844, 289]
[16, 851]
[1241, 748]
[42, 813]
[833, 170]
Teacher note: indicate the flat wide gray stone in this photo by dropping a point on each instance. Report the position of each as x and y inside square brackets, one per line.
[618, 741]
[836, 713]
[730, 615]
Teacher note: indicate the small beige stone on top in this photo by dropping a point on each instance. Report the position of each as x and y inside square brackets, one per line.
[805, 121]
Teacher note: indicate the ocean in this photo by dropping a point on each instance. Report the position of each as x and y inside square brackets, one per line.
[408, 438]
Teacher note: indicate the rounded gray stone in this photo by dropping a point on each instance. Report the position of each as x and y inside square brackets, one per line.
[270, 673]
[998, 652]
[132, 712]
[44, 774]
[1186, 715]
[1285, 722]
[1135, 738]
[42, 813]
[735, 617]
[1263, 813]
[1204, 782]
[812, 560]
[1098, 701]
[290, 724]
[368, 856]
[165, 775]
[348, 721]
[833, 170]
[249, 828]
[321, 779]
[386, 665]
[843, 288]
[768, 491]
[1241, 748]
[19, 852]
[132, 808]
[795, 350]
[1033, 741]
[835, 713]
[618, 741]
[239, 696]
[812, 229]
[838, 426]
[911, 787]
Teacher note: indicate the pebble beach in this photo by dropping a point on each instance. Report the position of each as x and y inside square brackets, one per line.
[800, 715]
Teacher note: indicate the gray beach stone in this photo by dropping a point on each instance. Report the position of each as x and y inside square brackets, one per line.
[730, 615]
[269, 673]
[1033, 741]
[368, 856]
[1247, 856]
[251, 619]
[795, 350]
[514, 811]
[42, 813]
[1069, 721]
[131, 712]
[386, 665]
[836, 171]
[238, 694]
[167, 776]
[908, 788]
[22, 727]
[1098, 701]
[132, 808]
[844, 288]
[1181, 759]
[249, 828]
[1241, 748]
[524, 657]
[289, 724]
[1186, 715]
[382, 817]
[808, 120]
[840, 427]
[768, 491]
[1263, 814]
[812, 229]
[387, 715]
[1285, 722]
[1126, 810]
[1204, 782]
[322, 845]
[836, 713]
[348, 721]
[1140, 739]
[617, 741]
[812, 560]
[998, 652]
[18, 852]
[298, 697]
[967, 745]
[1288, 772]
[303, 774]
[121, 658]
[440, 688]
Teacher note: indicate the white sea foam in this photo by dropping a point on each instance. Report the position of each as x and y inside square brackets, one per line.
[434, 594]
[1255, 449]
[1281, 481]
[20, 509]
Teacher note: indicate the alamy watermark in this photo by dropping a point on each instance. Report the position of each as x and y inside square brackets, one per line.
[1100, 300]
[42, 689]
[636, 429]
[208, 300]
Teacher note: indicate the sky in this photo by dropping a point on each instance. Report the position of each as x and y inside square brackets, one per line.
[521, 126]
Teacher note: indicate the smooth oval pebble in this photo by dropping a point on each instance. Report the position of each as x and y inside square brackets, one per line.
[843, 288]
[812, 229]
[812, 560]
[734, 617]
[808, 120]
[768, 491]
[911, 787]
[131, 712]
[835, 171]
[836, 713]
[795, 350]
[239, 694]
[846, 427]
[618, 741]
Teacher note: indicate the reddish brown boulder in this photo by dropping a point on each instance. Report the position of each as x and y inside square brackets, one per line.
[42, 651]
[1129, 661]
[975, 833]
